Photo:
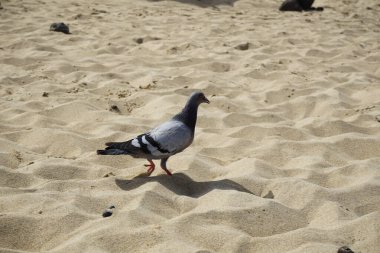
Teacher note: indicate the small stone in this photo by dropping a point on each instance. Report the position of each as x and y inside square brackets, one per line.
[109, 174]
[107, 213]
[60, 27]
[377, 118]
[345, 249]
[40, 212]
[139, 40]
[146, 86]
[114, 108]
[111, 207]
[243, 47]
[45, 94]
[290, 5]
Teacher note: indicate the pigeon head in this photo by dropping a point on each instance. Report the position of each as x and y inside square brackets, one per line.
[198, 98]
[188, 115]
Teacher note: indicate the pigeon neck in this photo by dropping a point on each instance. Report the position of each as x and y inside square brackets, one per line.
[189, 115]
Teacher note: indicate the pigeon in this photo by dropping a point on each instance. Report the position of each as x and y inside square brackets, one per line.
[164, 141]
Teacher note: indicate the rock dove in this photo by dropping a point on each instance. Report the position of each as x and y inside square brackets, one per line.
[167, 139]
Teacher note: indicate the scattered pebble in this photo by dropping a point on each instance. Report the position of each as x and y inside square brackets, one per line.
[377, 118]
[139, 40]
[146, 39]
[146, 86]
[345, 249]
[114, 108]
[107, 213]
[243, 47]
[109, 174]
[45, 94]
[73, 90]
[299, 5]
[60, 27]
[40, 212]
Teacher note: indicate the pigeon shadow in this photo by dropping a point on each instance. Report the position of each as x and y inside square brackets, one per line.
[204, 3]
[182, 184]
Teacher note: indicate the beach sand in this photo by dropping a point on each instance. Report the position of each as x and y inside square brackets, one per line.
[286, 157]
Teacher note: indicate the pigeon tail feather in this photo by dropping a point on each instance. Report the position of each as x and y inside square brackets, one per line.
[117, 145]
[112, 152]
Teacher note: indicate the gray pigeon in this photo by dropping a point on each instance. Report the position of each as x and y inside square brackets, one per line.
[167, 139]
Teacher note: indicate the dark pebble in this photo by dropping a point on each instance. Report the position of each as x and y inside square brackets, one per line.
[109, 174]
[45, 94]
[114, 108]
[299, 5]
[111, 207]
[107, 213]
[345, 249]
[243, 47]
[59, 27]
[290, 5]
[139, 40]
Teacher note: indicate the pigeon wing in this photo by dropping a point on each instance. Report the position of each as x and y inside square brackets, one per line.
[168, 138]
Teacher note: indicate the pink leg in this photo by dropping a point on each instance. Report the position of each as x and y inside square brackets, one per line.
[151, 166]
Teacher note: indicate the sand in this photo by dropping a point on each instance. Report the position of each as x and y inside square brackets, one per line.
[286, 158]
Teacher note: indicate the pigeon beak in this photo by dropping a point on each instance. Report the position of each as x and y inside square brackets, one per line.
[206, 100]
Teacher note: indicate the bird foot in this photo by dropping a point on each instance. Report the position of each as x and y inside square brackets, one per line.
[167, 172]
[151, 168]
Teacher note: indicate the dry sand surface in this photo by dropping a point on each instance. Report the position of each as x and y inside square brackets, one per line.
[286, 158]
